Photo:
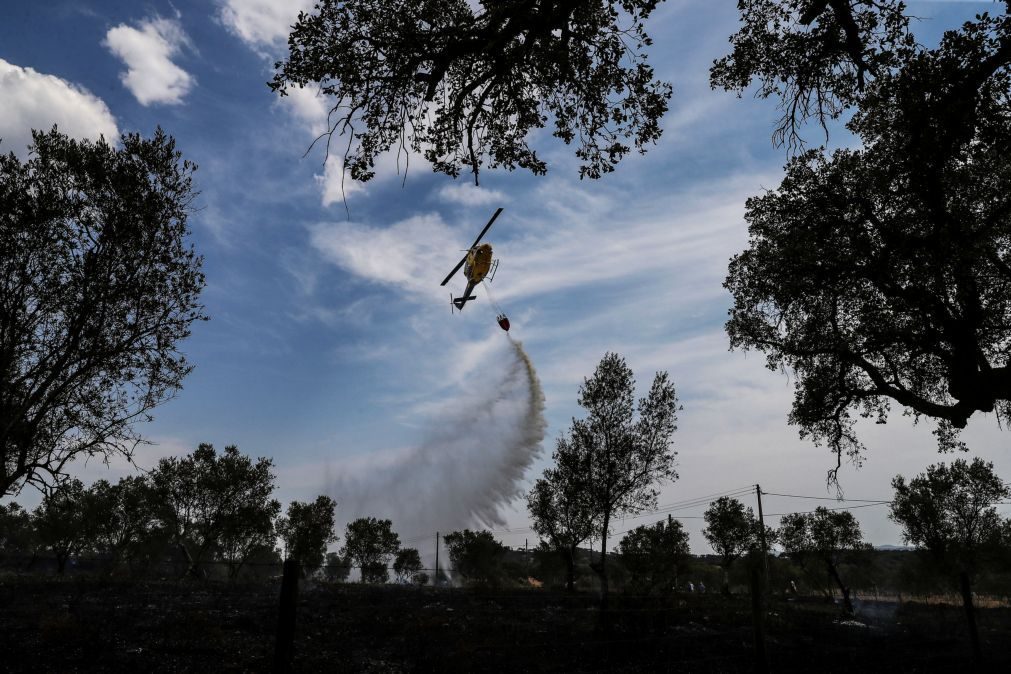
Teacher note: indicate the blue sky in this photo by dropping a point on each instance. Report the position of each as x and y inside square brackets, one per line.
[331, 347]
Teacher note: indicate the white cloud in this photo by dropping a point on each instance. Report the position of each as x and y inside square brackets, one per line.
[33, 100]
[469, 194]
[262, 23]
[147, 51]
[307, 107]
[334, 183]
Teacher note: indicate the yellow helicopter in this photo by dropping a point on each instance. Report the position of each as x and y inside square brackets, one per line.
[477, 264]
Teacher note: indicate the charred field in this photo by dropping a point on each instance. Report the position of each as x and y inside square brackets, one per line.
[87, 624]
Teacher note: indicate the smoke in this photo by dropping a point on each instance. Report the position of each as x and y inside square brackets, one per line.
[470, 462]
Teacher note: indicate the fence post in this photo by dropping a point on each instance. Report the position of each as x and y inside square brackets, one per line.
[758, 617]
[284, 646]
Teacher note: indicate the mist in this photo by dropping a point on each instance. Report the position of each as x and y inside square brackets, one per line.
[470, 462]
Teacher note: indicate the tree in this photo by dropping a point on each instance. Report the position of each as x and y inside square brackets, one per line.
[655, 553]
[337, 568]
[950, 512]
[407, 564]
[97, 288]
[560, 508]
[625, 456]
[827, 537]
[62, 521]
[475, 555]
[122, 516]
[210, 503]
[467, 87]
[17, 534]
[880, 275]
[732, 530]
[370, 543]
[308, 530]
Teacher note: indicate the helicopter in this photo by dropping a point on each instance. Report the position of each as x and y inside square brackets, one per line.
[477, 264]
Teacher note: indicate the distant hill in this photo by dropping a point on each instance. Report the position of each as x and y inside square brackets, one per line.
[894, 548]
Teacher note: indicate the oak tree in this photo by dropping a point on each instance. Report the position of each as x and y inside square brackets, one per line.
[732, 530]
[654, 554]
[467, 86]
[371, 543]
[475, 555]
[307, 530]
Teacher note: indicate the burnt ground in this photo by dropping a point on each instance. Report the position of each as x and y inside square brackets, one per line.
[88, 625]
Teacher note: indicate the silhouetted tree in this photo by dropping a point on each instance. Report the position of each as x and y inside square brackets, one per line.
[337, 568]
[826, 537]
[625, 457]
[881, 274]
[560, 508]
[63, 521]
[654, 554]
[123, 516]
[407, 564]
[18, 539]
[308, 530]
[466, 87]
[370, 543]
[210, 503]
[475, 555]
[732, 530]
[949, 511]
[97, 288]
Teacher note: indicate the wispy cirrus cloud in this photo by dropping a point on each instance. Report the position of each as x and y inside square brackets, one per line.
[147, 50]
[34, 100]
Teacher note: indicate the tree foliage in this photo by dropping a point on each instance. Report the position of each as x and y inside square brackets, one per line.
[654, 554]
[407, 564]
[475, 555]
[625, 448]
[559, 504]
[950, 511]
[732, 530]
[123, 516]
[307, 531]
[467, 86]
[63, 521]
[883, 274]
[371, 543]
[825, 537]
[97, 288]
[211, 503]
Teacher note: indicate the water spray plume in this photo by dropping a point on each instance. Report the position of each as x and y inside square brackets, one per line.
[471, 462]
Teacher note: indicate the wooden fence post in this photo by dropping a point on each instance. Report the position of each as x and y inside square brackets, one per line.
[284, 646]
[758, 617]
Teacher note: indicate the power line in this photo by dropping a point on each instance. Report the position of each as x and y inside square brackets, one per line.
[828, 498]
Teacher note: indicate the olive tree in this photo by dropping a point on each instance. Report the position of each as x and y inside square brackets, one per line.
[98, 286]
[370, 543]
[654, 554]
[62, 521]
[467, 86]
[559, 504]
[407, 564]
[307, 530]
[949, 511]
[732, 530]
[475, 555]
[625, 447]
[826, 538]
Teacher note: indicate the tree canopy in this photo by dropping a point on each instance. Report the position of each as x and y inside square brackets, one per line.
[654, 554]
[475, 555]
[466, 86]
[882, 274]
[307, 531]
[98, 286]
[561, 511]
[732, 530]
[625, 447]
[826, 537]
[371, 543]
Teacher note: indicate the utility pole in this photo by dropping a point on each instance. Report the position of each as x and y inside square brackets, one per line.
[761, 533]
[437, 559]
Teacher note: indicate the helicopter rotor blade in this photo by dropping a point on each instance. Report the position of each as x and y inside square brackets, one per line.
[455, 269]
[487, 227]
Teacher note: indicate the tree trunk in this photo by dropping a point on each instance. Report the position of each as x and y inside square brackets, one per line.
[570, 570]
[726, 581]
[603, 562]
[847, 604]
[970, 615]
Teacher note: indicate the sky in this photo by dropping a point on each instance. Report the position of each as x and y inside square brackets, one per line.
[331, 346]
